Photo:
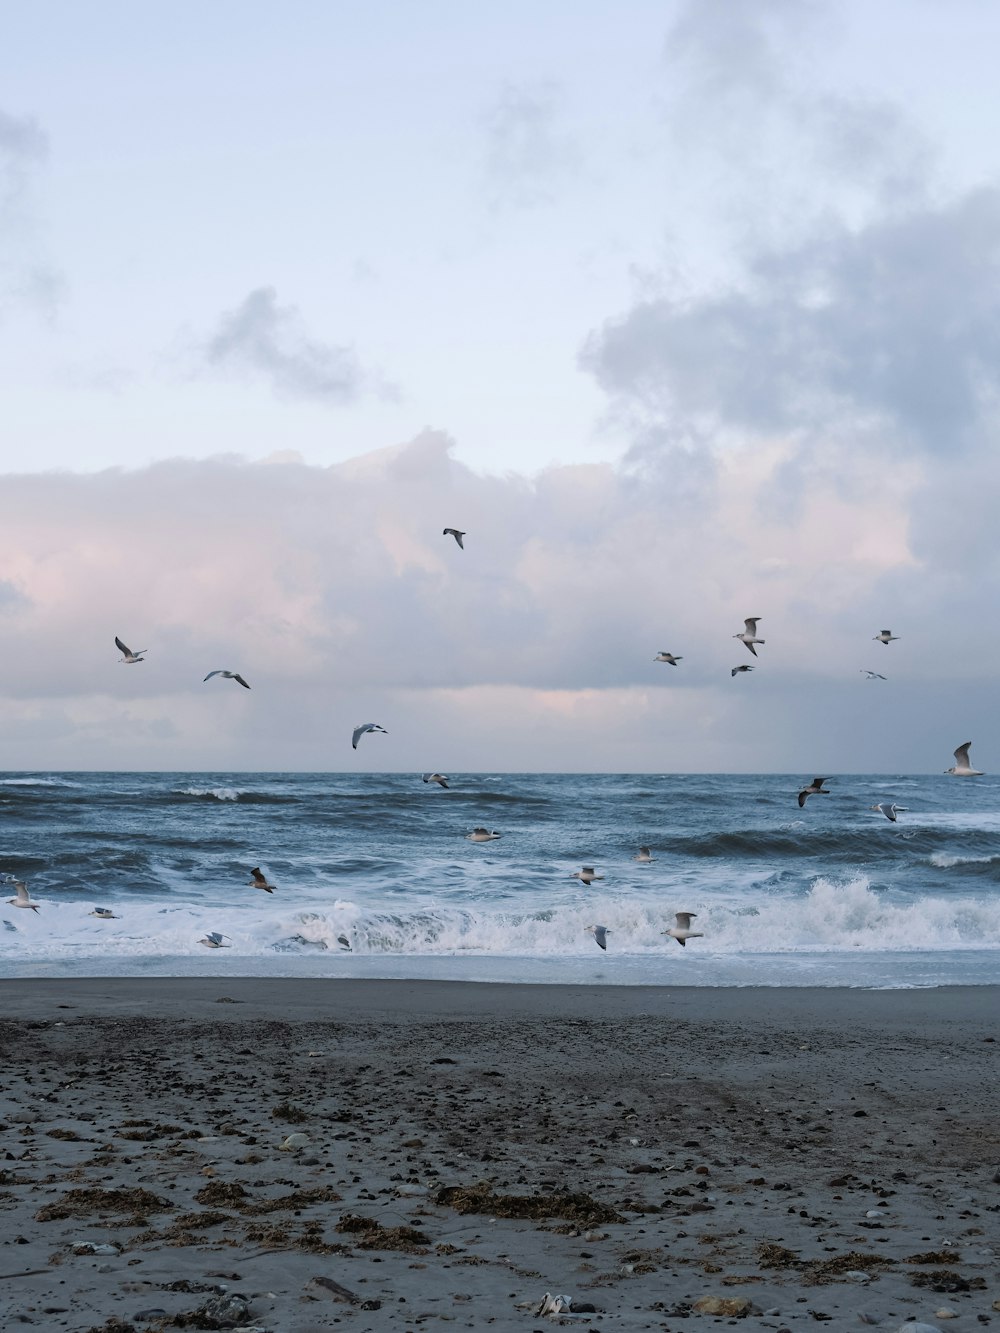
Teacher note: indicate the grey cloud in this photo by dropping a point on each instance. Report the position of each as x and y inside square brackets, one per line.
[260, 337]
[526, 153]
[899, 320]
[23, 145]
[27, 279]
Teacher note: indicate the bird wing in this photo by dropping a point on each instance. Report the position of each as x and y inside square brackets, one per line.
[359, 732]
[682, 920]
[818, 782]
[211, 674]
[750, 624]
[22, 892]
[751, 647]
[121, 647]
[962, 756]
[240, 681]
[803, 795]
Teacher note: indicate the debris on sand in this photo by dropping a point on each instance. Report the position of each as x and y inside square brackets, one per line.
[81, 1203]
[946, 1279]
[579, 1208]
[377, 1237]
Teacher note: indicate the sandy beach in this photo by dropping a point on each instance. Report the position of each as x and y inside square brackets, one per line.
[293, 1156]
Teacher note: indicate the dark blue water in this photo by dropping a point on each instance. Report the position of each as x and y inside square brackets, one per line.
[830, 894]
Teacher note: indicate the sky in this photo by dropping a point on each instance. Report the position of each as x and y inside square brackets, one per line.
[684, 311]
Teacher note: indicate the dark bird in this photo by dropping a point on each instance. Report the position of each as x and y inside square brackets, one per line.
[454, 532]
[259, 881]
[815, 788]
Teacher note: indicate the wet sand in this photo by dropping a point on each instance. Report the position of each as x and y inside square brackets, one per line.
[812, 1156]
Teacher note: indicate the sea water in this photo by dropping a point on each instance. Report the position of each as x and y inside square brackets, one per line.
[830, 894]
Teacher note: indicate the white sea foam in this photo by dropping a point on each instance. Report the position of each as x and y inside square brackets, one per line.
[946, 859]
[219, 793]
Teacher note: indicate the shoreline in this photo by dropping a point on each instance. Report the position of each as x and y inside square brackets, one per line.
[386, 1155]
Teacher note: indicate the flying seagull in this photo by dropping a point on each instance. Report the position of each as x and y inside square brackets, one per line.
[360, 731]
[667, 657]
[736, 670]
[600, 934]
[749, 635]
[681, 929]
[23, 899]
[228, 675]
[871, 675]
[103, 914]
[643, 856]
[454, 532]
[213, 940]
[962, 769]
[259, 881]
[480, 834]
[815, 788]
[129, 656]
[890, 811]
[439, 778]
[885, 636]
[586, 876]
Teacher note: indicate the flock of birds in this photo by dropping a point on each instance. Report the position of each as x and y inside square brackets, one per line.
[680, 931]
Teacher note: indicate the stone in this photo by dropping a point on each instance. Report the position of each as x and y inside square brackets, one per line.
[733, 1307]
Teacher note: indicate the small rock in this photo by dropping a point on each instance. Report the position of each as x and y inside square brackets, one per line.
[293, 1142]
[918, 1328]
[88, 1247]
[945, 1313]
[856, 1275]
[734, 1307]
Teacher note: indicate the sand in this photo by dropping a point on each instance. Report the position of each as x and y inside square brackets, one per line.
[812, 1156]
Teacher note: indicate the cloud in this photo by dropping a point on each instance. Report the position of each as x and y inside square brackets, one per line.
[526, 153]
[334, 593]
[262, 338]
[27, 279]
[23, 145]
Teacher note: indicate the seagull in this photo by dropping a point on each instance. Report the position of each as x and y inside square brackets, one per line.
[228, 675]
[259, 881]
[643, 856]
[736, 670]
[962, 769]
[360, 731]
[454, 532]
[439, 778]
[667, 657]
[885, 636]
[23, 899]
[749, 635]
[890, 811]
[103, 914]
[130, 657]
[871, 675]
[600, 934]
[213, 940]
[586, 876]
[344, 942]
[681, 929]
[815, 788]
[480, 834]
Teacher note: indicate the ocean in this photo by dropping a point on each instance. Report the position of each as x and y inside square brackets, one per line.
[829, 895]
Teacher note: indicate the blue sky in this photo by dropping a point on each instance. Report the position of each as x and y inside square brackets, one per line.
[725, 276]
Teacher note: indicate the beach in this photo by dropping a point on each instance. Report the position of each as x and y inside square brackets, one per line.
[296, 1155]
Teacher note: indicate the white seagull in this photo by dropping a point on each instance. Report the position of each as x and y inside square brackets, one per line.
[890, 811]
[364, 727]
[963, 769]
[228, 675]
[103, 914]
[736, 670]
[643, 856]
[749, 635]
[885, 636]
[815, 788]
[213, 940]
[23, 899]
[681, 929]
[440, 778]
[667, 657]
[600, 934]
[871, 675]
[259, 881]
[586, 876]
[129, 656]
[454, 532]
[480, 834]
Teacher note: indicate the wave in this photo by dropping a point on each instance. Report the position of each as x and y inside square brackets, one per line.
[831, 918]
[240, 794]
[38, 782]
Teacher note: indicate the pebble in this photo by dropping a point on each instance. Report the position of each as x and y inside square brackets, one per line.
[293, 1141]
[945, 1313]
[918, 1328]
[88, 1247]
[856, 1275]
